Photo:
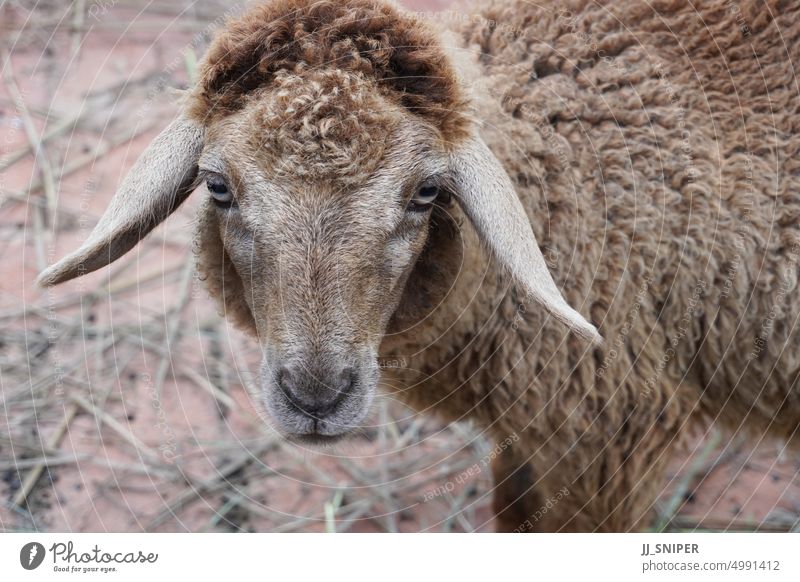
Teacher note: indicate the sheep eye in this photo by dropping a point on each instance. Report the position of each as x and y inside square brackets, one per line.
[424, 198]
[219, 191]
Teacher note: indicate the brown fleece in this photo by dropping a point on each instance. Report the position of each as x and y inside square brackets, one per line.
[370, 39]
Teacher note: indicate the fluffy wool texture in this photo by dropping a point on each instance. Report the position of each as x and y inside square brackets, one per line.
[372, 40]
[654, 148]
[322, 124]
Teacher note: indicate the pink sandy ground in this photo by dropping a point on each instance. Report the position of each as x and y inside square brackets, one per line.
[107, 494]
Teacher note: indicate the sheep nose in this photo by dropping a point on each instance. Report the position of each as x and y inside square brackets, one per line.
[315, 393]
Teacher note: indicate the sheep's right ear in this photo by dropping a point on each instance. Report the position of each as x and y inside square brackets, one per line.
[163, 177]
[488, 198]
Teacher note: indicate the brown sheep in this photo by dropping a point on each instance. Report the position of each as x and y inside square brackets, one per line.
[373, 181]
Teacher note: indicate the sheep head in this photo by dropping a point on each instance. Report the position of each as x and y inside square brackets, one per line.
[337, 156]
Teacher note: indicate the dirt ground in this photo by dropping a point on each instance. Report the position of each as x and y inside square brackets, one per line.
[124, 403]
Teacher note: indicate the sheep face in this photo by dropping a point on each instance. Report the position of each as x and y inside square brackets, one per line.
[320, 200]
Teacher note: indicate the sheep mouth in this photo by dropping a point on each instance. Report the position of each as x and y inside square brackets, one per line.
[325, 427]
[316, 439]
[306, 429]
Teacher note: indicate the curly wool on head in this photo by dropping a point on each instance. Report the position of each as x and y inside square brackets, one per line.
[403, 60]
[322, 124]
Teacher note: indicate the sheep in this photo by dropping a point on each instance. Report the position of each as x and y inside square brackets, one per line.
[374, 182]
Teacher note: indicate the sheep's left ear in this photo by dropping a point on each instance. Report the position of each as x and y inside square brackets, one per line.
[488, 198]
[162, 178]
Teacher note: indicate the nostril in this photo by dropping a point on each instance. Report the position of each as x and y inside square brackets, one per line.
[285, 378]
[346, 380]
[287, 383]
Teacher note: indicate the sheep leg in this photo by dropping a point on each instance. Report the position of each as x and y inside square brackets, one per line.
[614, 491]
[582, 491]
[515, 497]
